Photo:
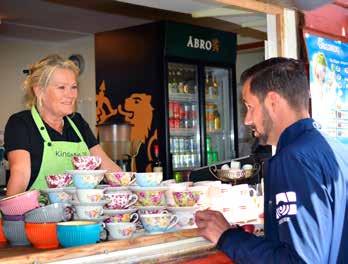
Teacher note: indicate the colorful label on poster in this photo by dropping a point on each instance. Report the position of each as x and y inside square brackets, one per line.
[328, 71]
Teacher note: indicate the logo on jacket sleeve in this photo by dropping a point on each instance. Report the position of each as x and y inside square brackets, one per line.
[285, 204]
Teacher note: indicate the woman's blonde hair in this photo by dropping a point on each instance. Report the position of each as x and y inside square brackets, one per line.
[40, 74]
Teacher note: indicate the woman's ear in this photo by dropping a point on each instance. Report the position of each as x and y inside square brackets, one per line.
[37, 91]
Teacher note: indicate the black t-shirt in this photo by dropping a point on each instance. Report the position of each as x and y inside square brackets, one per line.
[21, 132]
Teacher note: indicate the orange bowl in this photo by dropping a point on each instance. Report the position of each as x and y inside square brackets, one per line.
[42, 235]
[3, 239]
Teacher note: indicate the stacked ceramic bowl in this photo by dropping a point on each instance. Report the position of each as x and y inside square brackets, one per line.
[41, 224]
[89, 201]
[60, 189]
[14, 208]
[121, 221]
[152, 203]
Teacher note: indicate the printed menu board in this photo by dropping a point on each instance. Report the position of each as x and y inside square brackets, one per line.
[328, 71]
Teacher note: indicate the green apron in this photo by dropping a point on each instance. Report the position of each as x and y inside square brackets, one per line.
[57, 155]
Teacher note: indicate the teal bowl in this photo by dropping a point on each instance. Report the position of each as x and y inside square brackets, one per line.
[78, 233]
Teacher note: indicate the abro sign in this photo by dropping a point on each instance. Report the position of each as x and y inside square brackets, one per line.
[197, 43]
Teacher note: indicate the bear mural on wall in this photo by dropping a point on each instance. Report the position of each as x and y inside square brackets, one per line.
[138, 112]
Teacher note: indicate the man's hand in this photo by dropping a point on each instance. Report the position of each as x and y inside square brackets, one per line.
[211, 224]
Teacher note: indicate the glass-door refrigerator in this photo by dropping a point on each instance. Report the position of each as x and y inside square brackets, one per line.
[200, 116]
[218, 118]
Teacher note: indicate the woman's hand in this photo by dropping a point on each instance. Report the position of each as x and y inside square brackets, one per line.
[107, 163]
[20, 169]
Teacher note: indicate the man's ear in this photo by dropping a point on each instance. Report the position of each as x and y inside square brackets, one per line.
[272, 101]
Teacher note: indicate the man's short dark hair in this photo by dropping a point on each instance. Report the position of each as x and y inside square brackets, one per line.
[282, 75]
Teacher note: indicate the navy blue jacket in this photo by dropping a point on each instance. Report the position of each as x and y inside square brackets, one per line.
[306, 218]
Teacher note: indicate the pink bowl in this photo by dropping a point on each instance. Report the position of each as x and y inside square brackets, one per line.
[20, 203]
[58, 180]
[86, 162]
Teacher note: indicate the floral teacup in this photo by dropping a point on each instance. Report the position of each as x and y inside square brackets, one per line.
[89, 195]
[58, 180]
[120, 178]
[121, 230]
[151, 198]
[186, 198]
[120, 199]
[89, 211]
[86, 162]
[148, 179]
[58, 195]
[121, 215]
[186, 216]
[158, 223]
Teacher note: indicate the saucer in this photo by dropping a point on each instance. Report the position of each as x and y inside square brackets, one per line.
[115, 188]
[141, 189]
[97, 220]
[112, 212]
[86, 172]
[53, 190]
[183, 209]
[151, 207]
[102, 202]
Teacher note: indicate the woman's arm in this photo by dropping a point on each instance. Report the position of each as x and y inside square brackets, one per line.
[19, 161]
[107, 163]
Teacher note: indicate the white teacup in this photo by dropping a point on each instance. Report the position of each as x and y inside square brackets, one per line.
[120, 199]
[89, 212]
[235, 165]
[248, 169]
[89, 195]
[186, 216]
[122, 230]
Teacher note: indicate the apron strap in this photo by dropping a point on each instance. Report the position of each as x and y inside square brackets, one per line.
[43, 131]
[77, 131]
[40, 125]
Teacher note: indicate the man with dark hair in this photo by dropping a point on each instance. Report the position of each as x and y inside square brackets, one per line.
[306, 217]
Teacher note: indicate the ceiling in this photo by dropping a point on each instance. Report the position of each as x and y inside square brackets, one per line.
[61, 20]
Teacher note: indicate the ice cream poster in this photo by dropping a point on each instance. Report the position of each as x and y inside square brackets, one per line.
[328, 72]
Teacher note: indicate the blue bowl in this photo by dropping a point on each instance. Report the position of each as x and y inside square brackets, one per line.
[87, 179]
[148, 179]
[78, 233]
[59, 197]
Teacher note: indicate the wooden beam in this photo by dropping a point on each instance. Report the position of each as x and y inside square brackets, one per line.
[280, 33]
[254, 5]
[251, 46]
[220, 11]
[154, 14]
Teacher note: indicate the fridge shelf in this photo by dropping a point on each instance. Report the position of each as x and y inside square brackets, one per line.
[182, 97]
[210, 99]
[184, 168]
[183, 131]
[215, 132]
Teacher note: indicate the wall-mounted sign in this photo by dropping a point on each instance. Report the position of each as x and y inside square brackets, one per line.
[187, 41]
[328, 61]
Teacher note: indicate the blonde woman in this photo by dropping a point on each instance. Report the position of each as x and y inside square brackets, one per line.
[42, 140]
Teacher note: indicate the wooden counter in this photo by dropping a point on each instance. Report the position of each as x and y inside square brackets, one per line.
[169, 247]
